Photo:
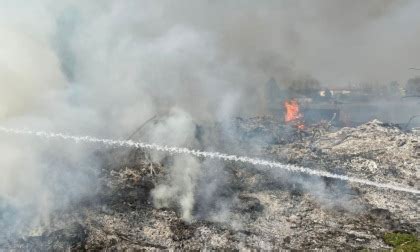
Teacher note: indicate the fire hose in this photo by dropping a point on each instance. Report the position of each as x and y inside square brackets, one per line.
[205, 154]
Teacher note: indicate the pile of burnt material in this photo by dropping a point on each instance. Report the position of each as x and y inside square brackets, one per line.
[262, 209]
[377, 149]
[263, 130]
[268, 130]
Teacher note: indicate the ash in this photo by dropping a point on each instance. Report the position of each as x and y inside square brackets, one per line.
[261, 209]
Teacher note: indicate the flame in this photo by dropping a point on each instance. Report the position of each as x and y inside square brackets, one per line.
[292, 113]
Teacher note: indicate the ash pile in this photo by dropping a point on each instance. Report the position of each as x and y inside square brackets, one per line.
[238, 206]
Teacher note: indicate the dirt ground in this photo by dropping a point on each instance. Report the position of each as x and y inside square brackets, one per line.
[263, 209]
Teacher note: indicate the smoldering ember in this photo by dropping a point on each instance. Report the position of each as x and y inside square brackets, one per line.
[195, 125]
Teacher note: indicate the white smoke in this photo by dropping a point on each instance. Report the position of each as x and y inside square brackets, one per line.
[206, 154]
[180, 190]
[25, 80]
[104, 67]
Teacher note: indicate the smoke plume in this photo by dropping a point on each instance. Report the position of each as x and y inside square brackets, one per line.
[104, 67]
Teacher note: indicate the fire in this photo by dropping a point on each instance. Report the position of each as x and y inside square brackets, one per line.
[292, 113]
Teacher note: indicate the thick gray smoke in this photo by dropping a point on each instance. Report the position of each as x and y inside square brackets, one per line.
[104, 67]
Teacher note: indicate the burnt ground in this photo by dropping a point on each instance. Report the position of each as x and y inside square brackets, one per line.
[266, 209]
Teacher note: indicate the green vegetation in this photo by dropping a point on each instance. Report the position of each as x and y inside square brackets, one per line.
[402, 242]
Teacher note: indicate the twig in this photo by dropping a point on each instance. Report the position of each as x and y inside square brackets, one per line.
[409, 121]
[140, 127]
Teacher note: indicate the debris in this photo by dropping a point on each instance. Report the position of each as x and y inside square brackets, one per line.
[265, 210]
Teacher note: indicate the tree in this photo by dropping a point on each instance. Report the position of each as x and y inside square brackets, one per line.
[413, 87]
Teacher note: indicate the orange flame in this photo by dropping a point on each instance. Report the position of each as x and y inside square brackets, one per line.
[292, 113]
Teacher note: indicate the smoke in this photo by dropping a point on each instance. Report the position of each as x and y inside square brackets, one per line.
[104, 67]
[179, 189]
[23, 77]
[179, 192]
[206, 154]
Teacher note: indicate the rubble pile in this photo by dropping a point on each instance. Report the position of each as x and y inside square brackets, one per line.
[268, 210]
[265, 130]
[375, 150]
